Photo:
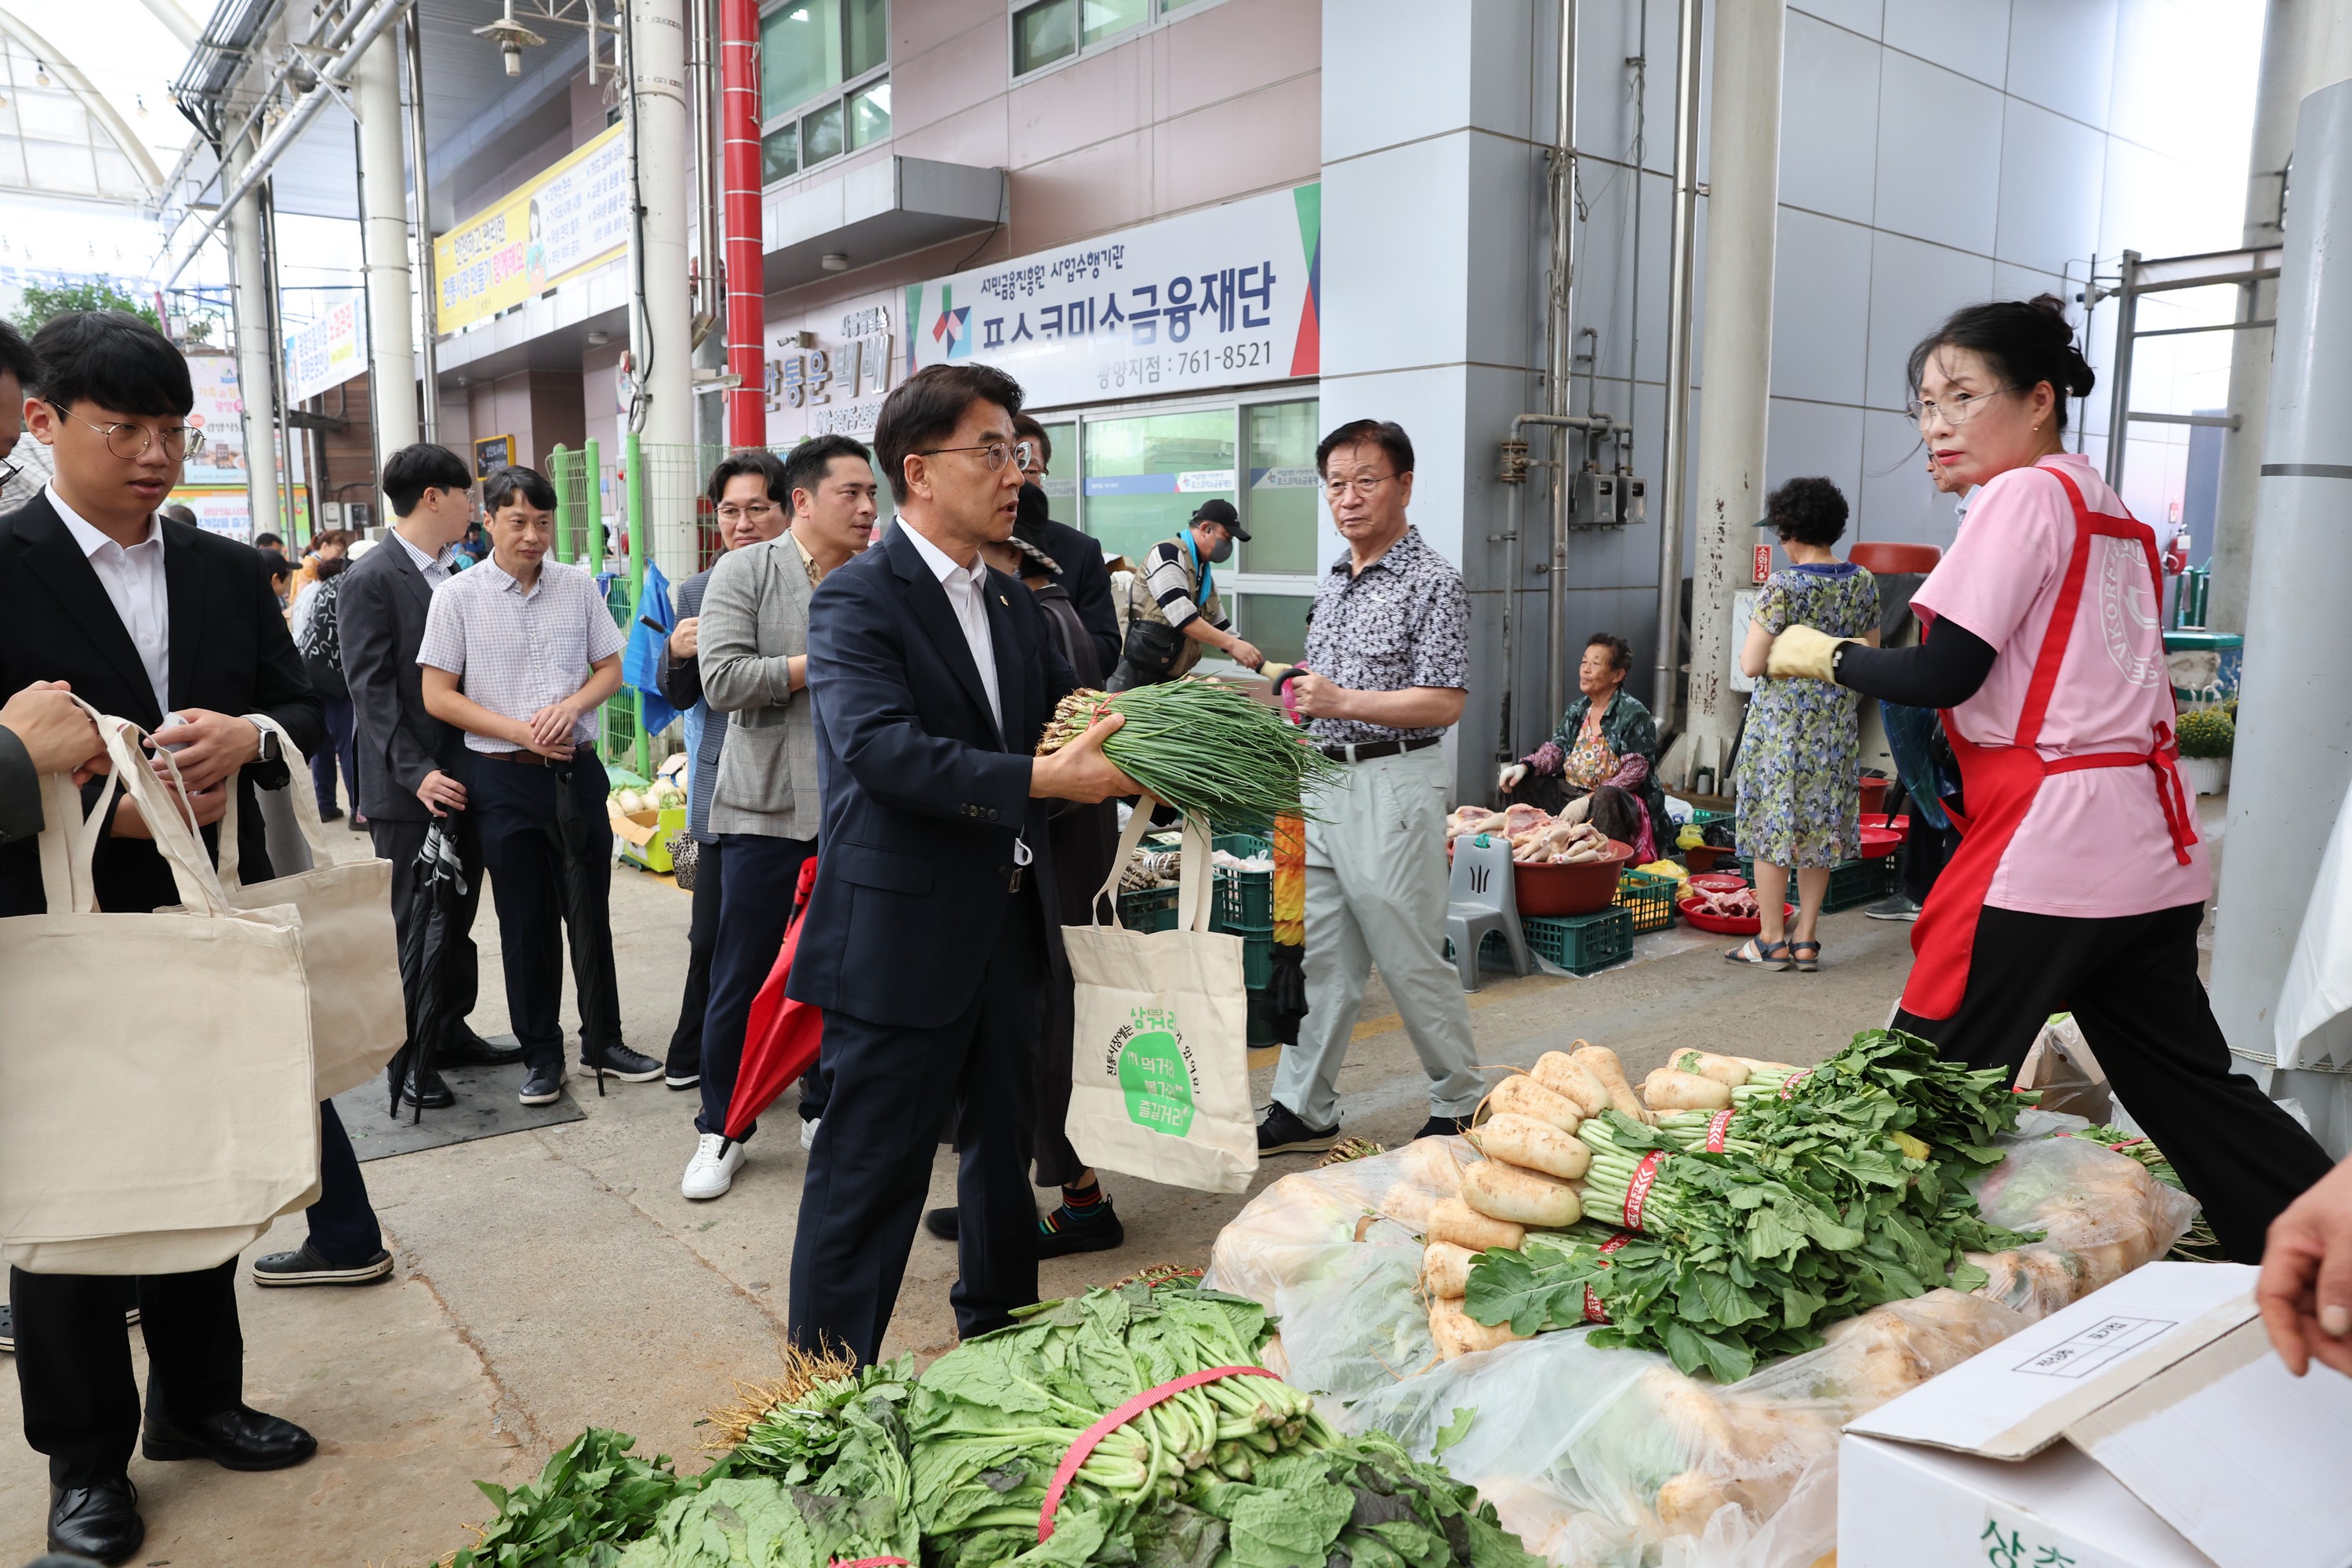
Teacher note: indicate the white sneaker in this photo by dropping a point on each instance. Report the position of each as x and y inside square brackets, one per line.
[712, 1170]
[808, 1133]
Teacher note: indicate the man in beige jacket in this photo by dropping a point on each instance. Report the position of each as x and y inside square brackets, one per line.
[752, 647]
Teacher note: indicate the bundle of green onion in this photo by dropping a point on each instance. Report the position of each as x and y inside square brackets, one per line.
[1203, 747]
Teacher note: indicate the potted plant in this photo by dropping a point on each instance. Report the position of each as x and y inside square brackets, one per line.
[2207, 736]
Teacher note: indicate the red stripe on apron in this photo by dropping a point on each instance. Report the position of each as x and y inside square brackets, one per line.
[1999, 783]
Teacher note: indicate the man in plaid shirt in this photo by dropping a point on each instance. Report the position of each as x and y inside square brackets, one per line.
[520, 652]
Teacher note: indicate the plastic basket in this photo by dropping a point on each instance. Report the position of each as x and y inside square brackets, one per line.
[1852, 882]
[1149, 909]
[1650, 895]
[1700, 817]
[1583, 944]
[1245, 899]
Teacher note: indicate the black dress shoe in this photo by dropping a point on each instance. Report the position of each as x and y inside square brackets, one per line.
[431, 1091]
[942, 1223]
[240, 1438]
[101, 1522]
[542, 1085]
[470, 1050]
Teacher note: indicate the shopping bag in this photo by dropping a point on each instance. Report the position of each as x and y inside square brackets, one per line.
[179, 1041]
[349, 944]
[1159, 1058]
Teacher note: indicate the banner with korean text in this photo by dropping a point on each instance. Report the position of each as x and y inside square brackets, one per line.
[1225, 297]
[326, 353]
[562, 221]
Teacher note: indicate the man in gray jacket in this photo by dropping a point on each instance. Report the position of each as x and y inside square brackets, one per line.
[749, 499]
[752, 645]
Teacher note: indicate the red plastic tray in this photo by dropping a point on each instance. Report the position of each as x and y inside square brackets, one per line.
[1719, 881]
[1877, 843]
[1700, 921]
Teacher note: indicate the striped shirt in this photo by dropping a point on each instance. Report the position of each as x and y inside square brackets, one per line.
[515, 652]
[1168, 576]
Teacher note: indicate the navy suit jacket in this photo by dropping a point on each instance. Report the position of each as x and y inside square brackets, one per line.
[923, 800]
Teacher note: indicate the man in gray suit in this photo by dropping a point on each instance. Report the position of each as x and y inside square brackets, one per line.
[752, 647]
[749, 498]
[413, 767]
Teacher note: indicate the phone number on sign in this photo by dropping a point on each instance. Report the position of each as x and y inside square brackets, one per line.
[1149, 370]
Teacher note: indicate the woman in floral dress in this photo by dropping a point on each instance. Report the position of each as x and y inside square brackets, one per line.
[1800, 760]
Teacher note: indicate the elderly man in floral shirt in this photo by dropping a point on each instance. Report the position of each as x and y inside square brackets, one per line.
[1388, 648]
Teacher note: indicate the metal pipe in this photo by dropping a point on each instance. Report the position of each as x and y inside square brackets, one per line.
[2119, 394]
[1678, 355]
[662, 324]
[1559, 351]
[279, 400]
[354, 43]
[383, 236]
[427, 292]
[249, 310]
[746, 316]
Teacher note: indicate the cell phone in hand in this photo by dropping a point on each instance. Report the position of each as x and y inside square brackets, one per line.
[171, 721]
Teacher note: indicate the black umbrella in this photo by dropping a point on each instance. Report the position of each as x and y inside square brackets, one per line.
[584, 918]
[439, 885]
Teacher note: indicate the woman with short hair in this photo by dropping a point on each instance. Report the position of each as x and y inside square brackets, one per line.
[1605, 750]
[1800, 757]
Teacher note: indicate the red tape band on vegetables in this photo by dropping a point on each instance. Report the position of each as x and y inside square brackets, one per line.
[1790, 1087]
[1717, 1126]
[1593, 1312]
[1068, 1469]
[1637, 1191]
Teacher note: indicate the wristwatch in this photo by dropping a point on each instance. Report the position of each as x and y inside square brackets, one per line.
[272, 749]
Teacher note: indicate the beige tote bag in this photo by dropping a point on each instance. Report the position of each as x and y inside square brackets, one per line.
[185, 1034]
[1159, 1060]
[358, 1014]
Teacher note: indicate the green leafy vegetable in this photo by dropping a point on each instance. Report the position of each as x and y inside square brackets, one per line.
[1204, 747]
[592, 1491]
[1454, 1431]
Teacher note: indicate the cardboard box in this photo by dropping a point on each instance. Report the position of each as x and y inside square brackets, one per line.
[645, 835]
[2148, 1426]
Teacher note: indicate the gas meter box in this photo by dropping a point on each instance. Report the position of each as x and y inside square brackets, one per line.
[1592, 502]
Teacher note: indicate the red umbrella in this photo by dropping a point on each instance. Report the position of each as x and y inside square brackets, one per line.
[781, 1035]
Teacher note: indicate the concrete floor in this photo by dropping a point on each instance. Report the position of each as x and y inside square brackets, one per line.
[553, 1279]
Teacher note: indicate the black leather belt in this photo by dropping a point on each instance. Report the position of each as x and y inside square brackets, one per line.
[527, 759]
[1372, 751]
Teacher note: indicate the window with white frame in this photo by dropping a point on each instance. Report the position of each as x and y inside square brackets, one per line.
[824, 81]
[1047, 32]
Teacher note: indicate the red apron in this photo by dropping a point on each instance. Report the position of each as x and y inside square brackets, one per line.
[1998, 784]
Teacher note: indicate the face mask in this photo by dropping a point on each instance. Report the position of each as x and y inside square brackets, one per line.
[1224, 550]
[1029, 521]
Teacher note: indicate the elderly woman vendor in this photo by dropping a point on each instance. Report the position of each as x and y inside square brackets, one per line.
[1606, 748]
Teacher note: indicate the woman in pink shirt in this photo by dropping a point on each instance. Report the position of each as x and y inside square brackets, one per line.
[2079, 883]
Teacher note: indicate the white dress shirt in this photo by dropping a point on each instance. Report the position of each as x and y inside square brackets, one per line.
[966, 589]
[435, 567]
[133, 581]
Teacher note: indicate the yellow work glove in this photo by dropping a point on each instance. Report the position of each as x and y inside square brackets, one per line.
[1801, 650]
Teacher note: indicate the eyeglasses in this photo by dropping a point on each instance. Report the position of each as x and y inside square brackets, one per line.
[8, 470]
[996, 454]
[1957, 409]
[1029, 456]
[1339, 490]
[759, 511]
[130, 442]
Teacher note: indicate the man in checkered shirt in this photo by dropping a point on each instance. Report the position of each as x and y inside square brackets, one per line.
[1388, 650]
[520, 653]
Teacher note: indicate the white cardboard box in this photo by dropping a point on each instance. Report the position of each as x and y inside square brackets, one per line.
[2148, 1426]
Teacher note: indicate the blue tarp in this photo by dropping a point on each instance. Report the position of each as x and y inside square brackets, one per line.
[641, 660]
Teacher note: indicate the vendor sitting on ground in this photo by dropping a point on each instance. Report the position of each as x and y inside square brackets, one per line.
[1606, 748]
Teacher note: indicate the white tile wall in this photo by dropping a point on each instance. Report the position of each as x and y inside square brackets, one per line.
[1808, 439]
[1863, 17]
[1819, 334]
[2062, 56]
[1939, 153]
[1972, 37]
[1913, 287]
[1829, 119]
[2052, 170]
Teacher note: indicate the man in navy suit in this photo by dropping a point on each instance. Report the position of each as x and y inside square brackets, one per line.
[932, 677]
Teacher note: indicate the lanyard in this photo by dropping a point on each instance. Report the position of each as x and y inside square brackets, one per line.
[1200, 569]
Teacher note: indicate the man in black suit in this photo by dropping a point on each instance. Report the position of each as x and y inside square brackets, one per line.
[933, 677]
[1082, 571]
[145, 618]
[412, 767]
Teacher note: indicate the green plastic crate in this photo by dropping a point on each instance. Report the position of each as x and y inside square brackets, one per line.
[1700, 817]
[1154, 908]
[1583, 944]
[1650, 896]
[1245, 899]
[1149, 909]
[1852, 882]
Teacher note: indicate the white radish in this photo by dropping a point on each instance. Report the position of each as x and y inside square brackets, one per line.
[1452, 1219]
[1757, 1065]
[1564, 1075]
[1521, 1095]
[1522, 1197]
[1446, 1268]
[1602, 1063]
[1532, 1145]
[1667, 1090]
[1458, 1333]
[1730, 1071]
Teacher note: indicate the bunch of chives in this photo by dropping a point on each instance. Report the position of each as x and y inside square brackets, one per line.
[1203, 747]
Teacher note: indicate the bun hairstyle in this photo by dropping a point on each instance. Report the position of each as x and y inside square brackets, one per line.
[2026, 342]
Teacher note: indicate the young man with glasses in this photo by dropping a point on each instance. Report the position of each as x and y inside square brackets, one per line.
[932, 677]
[1178, 611]
[520, 653]
[1388, 646]
[147, 619]
[764, 801]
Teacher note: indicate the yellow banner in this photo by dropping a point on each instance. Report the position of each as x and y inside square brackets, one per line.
[566, 220]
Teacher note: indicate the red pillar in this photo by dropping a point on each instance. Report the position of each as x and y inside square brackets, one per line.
[739, 130]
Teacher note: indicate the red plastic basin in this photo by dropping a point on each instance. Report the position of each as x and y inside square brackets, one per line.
[1701, 921]
[1557, 889]
[1719, 881]
[1877, 843]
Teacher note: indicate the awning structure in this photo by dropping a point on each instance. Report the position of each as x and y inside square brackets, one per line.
[874, 211]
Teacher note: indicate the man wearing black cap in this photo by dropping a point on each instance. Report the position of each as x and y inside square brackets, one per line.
[1178, 612]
